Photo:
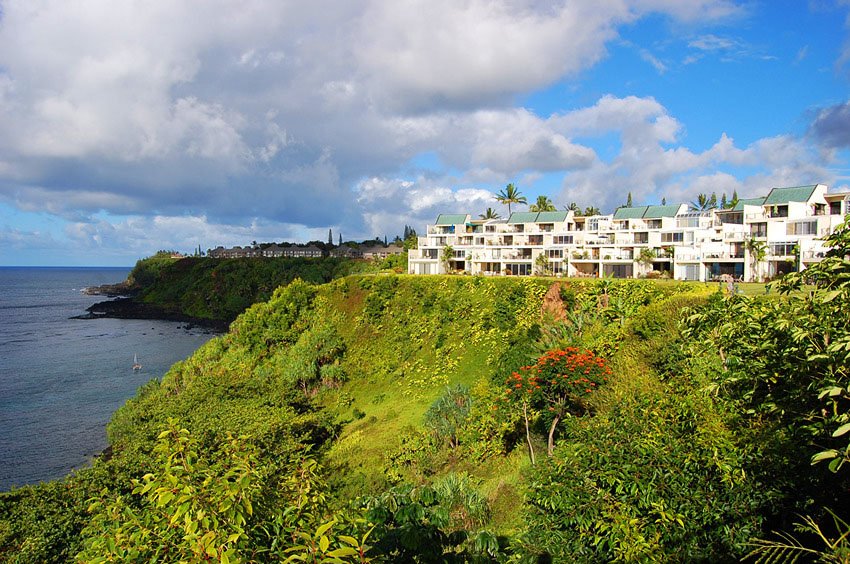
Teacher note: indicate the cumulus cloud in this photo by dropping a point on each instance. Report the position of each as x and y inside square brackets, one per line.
[831, 126]
[390, 202]
[272, 113]
[651, 169]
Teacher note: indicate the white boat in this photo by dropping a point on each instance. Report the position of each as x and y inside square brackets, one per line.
[136, 365]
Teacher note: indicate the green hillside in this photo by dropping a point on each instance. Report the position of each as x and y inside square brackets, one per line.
[221, 289]
[394, 418]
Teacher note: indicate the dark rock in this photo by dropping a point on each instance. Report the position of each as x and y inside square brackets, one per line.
[130, 308]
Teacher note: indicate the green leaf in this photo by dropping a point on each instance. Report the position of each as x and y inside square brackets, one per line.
[344, 551]
[841, 430]
[324, 528]
[825, 455]
[324, 543]
[350, 540]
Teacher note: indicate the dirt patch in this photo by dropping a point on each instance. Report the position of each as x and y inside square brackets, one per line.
[553, 304]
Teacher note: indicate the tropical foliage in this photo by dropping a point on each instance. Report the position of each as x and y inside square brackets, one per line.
[368, 419]
[543, 204]
[510, 195]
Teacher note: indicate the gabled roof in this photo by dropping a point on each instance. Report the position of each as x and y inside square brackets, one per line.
[647, 212]
[748, 202]
[793, 194]
[551, 216]
[523, 217]
[630, 213]
[657, 212]
[451, 218]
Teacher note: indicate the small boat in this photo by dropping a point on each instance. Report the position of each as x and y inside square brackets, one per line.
[136, 365]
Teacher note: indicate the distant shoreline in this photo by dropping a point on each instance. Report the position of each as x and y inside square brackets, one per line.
[130, 308]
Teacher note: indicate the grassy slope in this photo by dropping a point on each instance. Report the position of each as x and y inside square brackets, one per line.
[404, 338]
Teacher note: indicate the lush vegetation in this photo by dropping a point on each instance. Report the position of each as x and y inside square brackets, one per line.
[390, 418]
[221, 289]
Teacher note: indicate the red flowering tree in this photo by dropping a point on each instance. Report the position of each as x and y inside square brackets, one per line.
[560, 382]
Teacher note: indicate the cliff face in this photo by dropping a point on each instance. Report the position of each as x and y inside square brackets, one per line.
[206, 290]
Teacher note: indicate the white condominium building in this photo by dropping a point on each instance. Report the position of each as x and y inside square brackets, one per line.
[758, 238]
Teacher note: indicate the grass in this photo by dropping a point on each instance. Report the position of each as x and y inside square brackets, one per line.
[398, 364]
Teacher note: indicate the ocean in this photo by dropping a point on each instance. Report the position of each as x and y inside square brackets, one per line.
[60, 378]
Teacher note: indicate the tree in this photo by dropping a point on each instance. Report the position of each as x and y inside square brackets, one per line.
[646, 256]
[734, 201]
[574, 207]
[629, 200]
[447, 414]
[723, 203]
[489, 213]
[340, 239]
[542, 204]
[542, 266]
[663, 201]
[330, 237]
[704, 202]
[757, 251]
[592, 210]
[510, 195]
[448, 255]
[560, 383]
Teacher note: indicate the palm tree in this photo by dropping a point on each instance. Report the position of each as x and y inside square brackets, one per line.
[704, 203]
[489, 213]
[592, 210]
[757, 251]
[510, 195]
[543, 204]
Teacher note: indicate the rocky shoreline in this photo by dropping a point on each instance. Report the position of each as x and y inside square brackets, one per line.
[130, 308]
[111, 290]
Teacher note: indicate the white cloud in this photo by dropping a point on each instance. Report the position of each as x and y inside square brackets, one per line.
[271, 113]
[651, 170]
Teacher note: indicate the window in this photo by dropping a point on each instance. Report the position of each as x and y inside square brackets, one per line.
[641, 238]
[758, 230]
[802, 228]
[687, 221]
[519, 269]
[779, 211]
[782, 249]
[563, 239]
[835, 208]
[555, 253]
[675, 237]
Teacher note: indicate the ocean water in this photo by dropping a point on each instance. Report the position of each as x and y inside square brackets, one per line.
[60, 378]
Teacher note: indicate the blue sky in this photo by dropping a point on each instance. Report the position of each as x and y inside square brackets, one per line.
[125, 129]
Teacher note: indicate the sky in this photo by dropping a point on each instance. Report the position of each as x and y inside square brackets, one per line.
[132, 126]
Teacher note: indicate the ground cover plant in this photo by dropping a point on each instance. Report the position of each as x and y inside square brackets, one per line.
[368, 419]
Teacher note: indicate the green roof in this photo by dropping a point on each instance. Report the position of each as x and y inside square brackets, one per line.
[630, 213]
[523, 217]
[785, 195]
[451, 218]
[551, 216]
[657, 212]
[748, 202]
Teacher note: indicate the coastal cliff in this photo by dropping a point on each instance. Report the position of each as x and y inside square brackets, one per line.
[208, 291]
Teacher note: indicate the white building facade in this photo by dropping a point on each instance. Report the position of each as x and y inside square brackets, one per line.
[759, 238]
